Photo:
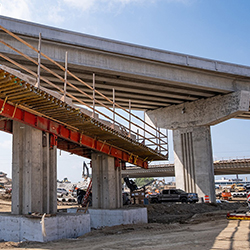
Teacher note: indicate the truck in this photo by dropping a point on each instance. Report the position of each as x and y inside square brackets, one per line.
[173, 195]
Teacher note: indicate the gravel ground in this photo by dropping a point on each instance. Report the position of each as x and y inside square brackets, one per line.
[171, 226]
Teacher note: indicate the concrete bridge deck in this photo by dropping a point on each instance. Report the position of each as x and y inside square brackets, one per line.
[150, 78]
[222, 167]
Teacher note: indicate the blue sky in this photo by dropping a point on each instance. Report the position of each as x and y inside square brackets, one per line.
[215, 29]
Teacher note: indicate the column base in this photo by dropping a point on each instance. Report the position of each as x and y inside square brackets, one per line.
[114, 217]
[22, 228]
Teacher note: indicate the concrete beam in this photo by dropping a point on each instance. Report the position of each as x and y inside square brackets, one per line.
[119, 65]
[222, 167]
[204, 112]
[120, 48]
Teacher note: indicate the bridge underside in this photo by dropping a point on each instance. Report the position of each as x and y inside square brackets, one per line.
[76, 130]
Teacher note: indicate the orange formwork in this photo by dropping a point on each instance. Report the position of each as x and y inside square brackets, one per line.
[21, 100]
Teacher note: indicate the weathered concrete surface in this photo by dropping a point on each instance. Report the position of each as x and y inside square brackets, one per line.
[20, 228]
[151, 78]
[100, 43]
[214, 234]
[194, 169]
[112, 217]
[34, 174]
[209, 111]
[191, 123]
[107, 186]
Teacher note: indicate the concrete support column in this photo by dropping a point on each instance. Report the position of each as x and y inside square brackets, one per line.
[106, 179]
[34, 175]
[194, 170]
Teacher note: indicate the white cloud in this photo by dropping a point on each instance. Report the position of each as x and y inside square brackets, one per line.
[16, 8]
[107, 5]
[82, 4]
[182, 1]
[57, 11]
[86, 5]
[55, 14]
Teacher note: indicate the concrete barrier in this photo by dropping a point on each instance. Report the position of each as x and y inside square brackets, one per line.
[21, 228]
[113, 217]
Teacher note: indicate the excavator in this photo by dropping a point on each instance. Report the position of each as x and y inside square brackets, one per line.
[133, 187]
[238, 187]
[85, 197]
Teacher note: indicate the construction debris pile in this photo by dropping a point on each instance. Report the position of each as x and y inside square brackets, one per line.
[5, 186]
[183, 213]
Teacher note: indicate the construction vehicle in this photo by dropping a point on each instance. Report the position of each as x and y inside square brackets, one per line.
[238, 187]
[171, 195]
[226, 195]
[137, 194]
[238, 216]
[130, 184]
[241, 215]
[85, 197]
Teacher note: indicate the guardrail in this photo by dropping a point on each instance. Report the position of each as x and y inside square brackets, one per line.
[132, 126]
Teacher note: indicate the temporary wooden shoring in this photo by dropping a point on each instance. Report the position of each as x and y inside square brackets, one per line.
[71, 96]
[93, 114]
[12, 112]
[65, 76]
[158, 133]
[39, 60]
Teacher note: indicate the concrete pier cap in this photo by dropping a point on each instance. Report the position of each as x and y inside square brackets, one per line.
[190, 122]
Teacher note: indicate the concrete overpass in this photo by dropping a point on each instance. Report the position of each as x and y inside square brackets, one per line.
[150, 78]
[180, 92]
[222, 167]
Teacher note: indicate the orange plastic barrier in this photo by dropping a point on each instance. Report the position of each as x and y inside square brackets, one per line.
[206, 198]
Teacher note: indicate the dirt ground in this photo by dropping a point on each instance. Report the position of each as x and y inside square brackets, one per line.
[171, 226]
